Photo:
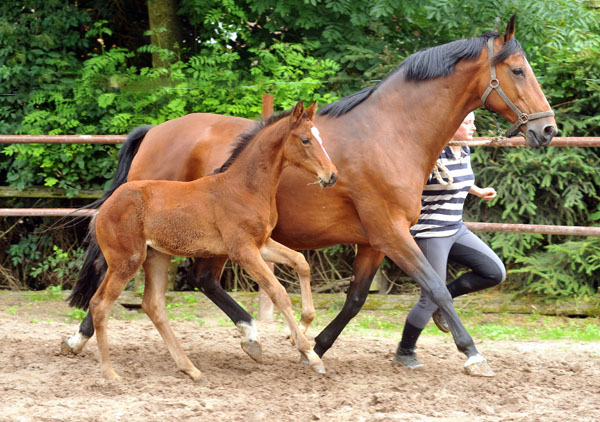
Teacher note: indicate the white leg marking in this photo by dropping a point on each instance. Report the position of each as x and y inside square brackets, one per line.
[77, 342]
[248, 331]
[474, 359]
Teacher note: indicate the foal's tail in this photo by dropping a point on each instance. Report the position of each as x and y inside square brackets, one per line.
[94, 265]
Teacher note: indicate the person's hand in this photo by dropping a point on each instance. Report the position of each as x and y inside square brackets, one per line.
[487, 194]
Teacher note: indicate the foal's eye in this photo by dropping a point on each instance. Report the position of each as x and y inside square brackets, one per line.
[518, 71]
[305, 141]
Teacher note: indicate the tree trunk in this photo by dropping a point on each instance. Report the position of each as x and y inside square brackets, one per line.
[163, 14]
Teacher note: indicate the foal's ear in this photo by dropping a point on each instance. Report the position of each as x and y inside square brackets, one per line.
[310, 111]
[297, 113]
[510, 29]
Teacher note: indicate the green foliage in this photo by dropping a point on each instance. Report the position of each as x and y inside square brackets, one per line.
[39, 47]
[551, 272]
[33, 257]
[75, 68]
[77, 314]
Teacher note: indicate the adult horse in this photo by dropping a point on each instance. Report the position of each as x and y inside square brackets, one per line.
[384, 141]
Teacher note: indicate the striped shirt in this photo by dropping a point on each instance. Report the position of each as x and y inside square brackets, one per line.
[442, 205]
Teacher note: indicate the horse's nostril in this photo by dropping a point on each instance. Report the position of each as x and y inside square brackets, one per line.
[550, 131]
[333, 179]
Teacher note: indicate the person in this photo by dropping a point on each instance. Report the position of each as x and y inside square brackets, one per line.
[442, 236]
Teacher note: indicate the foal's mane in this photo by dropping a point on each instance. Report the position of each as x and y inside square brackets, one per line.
[245, 138]
[426, 64]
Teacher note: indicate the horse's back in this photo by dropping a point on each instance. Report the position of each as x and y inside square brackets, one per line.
[187, 148]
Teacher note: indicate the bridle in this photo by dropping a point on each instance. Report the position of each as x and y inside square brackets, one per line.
[522, 118]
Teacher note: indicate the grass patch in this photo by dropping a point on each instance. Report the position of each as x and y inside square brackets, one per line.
[480, 325]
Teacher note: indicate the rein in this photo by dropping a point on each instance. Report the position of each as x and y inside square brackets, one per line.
[495, 85]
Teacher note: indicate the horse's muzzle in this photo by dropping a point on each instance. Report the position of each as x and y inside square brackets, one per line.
[537, 139]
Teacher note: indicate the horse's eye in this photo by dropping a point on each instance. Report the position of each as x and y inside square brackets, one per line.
[518, 71]
[305, 141]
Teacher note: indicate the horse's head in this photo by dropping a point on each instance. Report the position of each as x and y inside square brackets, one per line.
[513, 91]
[304, 147]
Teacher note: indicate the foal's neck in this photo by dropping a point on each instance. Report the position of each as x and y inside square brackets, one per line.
[259, 166]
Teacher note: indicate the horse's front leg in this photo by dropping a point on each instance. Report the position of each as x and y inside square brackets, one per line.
[405, 253]
[275, 252]
[206, 274]
[365, 266]
[251, 261]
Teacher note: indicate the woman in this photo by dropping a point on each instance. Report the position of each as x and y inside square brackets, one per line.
[442, 235]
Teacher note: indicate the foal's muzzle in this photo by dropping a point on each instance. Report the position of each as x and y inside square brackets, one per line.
[330, 182]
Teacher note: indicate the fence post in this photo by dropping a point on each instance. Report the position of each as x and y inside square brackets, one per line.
[265, 305]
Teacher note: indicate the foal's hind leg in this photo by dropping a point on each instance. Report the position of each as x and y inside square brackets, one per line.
[273, 251]
[156, 268]
[100, 304]
[251, 261]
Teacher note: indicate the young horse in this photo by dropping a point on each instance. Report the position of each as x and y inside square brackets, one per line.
[385, 140]
[231, 213]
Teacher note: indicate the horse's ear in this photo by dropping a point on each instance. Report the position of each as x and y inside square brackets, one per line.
[310, 111]
[510, 29]
[297, 113]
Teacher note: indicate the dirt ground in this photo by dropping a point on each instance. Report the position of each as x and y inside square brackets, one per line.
[535, 380]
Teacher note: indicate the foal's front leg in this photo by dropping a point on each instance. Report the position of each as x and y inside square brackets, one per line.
[156, 268]
[250, 260]
[275, 252]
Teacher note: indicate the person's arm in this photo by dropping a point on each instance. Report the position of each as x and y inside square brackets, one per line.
[487, 194]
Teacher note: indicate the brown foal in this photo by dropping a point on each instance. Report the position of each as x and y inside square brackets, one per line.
[230, 213]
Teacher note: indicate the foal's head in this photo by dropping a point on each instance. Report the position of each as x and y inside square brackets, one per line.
[303, 146]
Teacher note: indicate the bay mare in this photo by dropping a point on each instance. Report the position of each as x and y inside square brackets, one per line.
[384, 141]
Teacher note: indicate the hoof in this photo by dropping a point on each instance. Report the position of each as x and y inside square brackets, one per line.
[319, 368]
[67, 349]
[253, 349]
[195, 375]
[440, 321]
[111, 375]
[304, 360]
[316, 364]
[476, 366]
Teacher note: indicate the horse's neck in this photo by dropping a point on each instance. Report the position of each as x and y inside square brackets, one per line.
[426, 114]
[258, 168]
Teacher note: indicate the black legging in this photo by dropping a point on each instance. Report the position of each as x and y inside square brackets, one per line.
[466, 249]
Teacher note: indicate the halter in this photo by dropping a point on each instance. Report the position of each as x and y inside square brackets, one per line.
[522, 118]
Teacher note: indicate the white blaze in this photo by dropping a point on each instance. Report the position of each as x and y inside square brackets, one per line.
[317, 136]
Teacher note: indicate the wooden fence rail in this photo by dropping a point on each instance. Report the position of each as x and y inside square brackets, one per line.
[115, 139]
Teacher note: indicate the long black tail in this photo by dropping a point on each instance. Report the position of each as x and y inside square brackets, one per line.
[94, 266]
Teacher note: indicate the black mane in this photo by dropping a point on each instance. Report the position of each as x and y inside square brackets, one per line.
[426, 64]
[244, 139]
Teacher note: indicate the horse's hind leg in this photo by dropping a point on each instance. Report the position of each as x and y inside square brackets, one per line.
[366, 263]
[156, 268]
[275, 252]
[206, 273]
[75, 344]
